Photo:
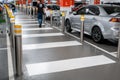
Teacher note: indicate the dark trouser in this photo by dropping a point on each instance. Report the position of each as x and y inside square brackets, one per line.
[40, 18]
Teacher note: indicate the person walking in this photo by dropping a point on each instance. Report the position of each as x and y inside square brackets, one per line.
[40, 12]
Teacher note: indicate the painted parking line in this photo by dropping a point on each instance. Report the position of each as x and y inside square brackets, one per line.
[31, 29]
[30, 25]
[25, 19]
[66, 65]
[3, 49]
[27, 22]
[42, 35]
[99, 48]
[51, 45]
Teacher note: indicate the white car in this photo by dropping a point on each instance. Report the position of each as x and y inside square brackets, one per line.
[101, 21]
[52, 7]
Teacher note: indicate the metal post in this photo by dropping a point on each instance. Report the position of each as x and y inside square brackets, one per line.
[18, 48]
[118, 54]
[33, 12]
[27, 6]
[82, 18]
[63, 22]
[12, 21]
[82, 32]
[51, 18]
[43, 20]
[30, 11]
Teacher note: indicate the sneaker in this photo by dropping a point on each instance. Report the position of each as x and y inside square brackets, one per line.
[40, 26]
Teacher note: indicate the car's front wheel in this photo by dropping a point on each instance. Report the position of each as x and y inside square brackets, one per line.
[68, 26]
[97, 35]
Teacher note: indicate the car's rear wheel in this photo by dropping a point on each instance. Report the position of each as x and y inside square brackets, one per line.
[68, 26]
[97, 35]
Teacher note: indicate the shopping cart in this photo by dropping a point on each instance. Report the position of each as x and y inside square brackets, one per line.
[56, 18]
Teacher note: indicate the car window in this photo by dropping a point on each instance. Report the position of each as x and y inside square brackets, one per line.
[111, 9]
[53, 7]
[81, 11]
[49, 7]
[93, 10]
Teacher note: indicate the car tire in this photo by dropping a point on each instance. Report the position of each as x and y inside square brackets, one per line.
[68, 26]
[97, 35]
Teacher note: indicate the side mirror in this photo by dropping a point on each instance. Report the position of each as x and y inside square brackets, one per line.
[74, 13]
[87, 11]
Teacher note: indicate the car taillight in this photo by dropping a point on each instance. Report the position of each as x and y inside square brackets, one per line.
[115, 20]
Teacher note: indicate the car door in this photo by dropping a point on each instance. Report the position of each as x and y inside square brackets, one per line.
[75, 19]
[92, 12]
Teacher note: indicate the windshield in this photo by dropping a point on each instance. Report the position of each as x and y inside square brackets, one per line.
[56, 7]
[112, 9]
[53, 7]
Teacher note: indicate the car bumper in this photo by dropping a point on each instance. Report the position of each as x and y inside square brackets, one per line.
[113, 35]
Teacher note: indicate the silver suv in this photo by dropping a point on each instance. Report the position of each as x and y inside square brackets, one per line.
[101, 21]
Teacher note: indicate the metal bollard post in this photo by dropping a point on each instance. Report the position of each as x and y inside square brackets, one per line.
[12, 21]
[44, 20]
[118, 54]
[51, 18]
[24, 10]
[18, 48]
[27, 10]
[33, 12]
[63, 22]
[82, 28]
[30, 10]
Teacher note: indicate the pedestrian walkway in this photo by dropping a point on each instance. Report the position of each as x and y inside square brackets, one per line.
[48, 54]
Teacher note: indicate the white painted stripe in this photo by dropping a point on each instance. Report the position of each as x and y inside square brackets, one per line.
[3, 48]
[112, 54]
[31, 29]
[42, 35]
[51, 45]
[30, 25]
[10, 63]
[72, 35]
[57, 28]
[65, 65]
[25, 19]
[27, 22]
[99, 48]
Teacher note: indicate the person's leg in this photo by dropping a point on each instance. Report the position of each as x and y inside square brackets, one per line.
[40, 19]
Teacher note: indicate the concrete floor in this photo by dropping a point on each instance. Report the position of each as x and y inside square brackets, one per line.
[47, 56]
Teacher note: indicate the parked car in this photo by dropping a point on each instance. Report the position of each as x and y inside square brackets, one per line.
[78, 7]
[114, 3]
[52, 7]
[101, 21]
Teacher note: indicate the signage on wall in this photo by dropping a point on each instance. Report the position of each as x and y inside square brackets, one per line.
[96, 1]
[58, 2]
[72, 2]
[49, 2]
[65, 3]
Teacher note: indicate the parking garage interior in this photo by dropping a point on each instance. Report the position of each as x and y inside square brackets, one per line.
[76, 40]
